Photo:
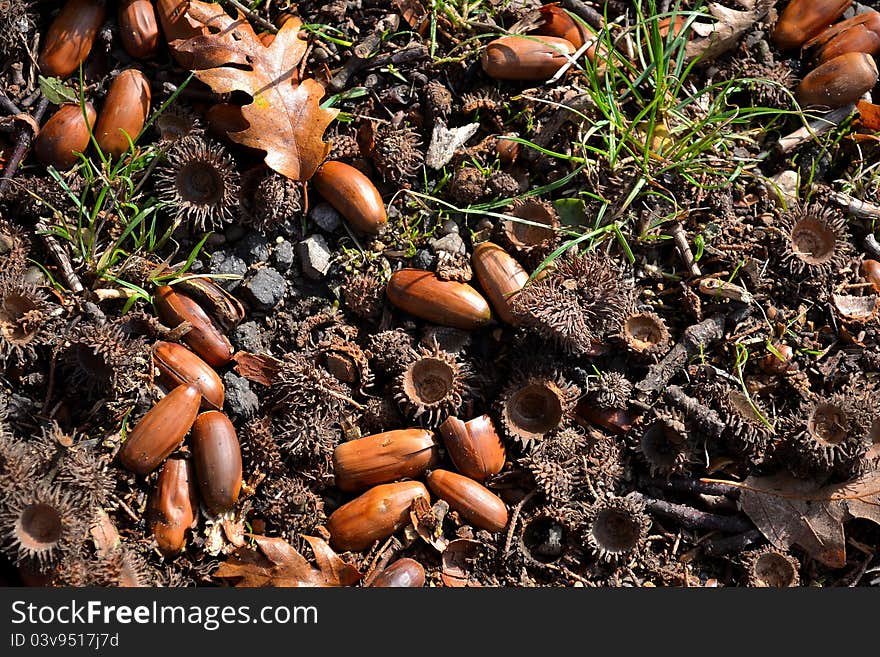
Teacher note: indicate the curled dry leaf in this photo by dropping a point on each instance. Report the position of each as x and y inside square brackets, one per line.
[259, 368]
[457, 559]
[278, 563]
[428, 521]
[800, 512]
[725, 32]
[285, 117]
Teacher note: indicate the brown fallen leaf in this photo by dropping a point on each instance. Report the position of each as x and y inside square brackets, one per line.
[725, 32]
[278, 563]
[285, 117]
[869, 115]
[259, 368]
[791, 511]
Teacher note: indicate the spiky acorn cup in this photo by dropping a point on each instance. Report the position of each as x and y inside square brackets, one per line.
[397, 153]
[259, 449]
[433, 385]
[199, 182]
[828, 437]
[178, 122]
[268, 199]
[101, 358]
[662, 442]
[25, 320]
[611, 390]
[363, 294]
[389, 350]
[545, 536]
[534, 404]
[771, 568]
[14, 248]
[615, 529]
[578, 305]
[533, 233]
[645, 335]
[290, 505]
[746, 435]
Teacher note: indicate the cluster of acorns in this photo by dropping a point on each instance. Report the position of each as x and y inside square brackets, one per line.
[844, 53]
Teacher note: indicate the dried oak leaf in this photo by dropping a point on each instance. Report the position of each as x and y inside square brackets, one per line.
[278, 563]
[285, 116]
[800, 512]
[725, 32]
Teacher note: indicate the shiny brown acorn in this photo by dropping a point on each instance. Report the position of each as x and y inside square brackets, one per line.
[871, 272]
[124, 113]
[224, 308]
[500, 276]
[779, 360]
[559, 23]
[615, 420]
[804, 19]
[161, 430]
[353, 195]
[839, 81]
[861, 33]
[403, 573]
[520, 57]
[477, 504]
[204, 337]
[217, 456]
[448, 303]
[474, 446]
[173, 505]
[373, 516]
[383, 457]
[65, 134]
[178, 365]
[138, 28]
[507, 150]
[70, 37]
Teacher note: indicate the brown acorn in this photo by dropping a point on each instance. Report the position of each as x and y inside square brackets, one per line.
[70, 37]
[383, 457]
[507, 150]
[476, 503]
[124, 113]
[839, 81]
[447, 303]
[521, 57]
[804, 19]
[373, 516]
[138, 28]
[474, 446]
[861, 33]
[161, 430]
[403, 573]
[217, 457]
[500, 276]
[65, 134]
[173, 505]
[204, 337]
[871, 272]
[615, 420]
[559, 23]
[224, 308]
[353, 195]
[178, 365]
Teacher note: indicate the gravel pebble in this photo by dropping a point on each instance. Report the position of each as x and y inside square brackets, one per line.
[263, 289]
[241, 401]
[315, 256]
[326, 217]
[254, 248]
[225, 262]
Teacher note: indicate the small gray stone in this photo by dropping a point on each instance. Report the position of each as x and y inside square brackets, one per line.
[254, 248]
[241, 401]
[283, 255]
[451, 243]
[264, 289]
[315, 256]
[246, 337]
[449, 227]
[326, 217]
[423, 259]
[226, 262]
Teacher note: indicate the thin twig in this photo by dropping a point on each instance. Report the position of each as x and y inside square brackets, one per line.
[676, 231]
[254, 17]
[22, 144]
[71, 280]
[513, 520]
[692, 518]
[731, 544]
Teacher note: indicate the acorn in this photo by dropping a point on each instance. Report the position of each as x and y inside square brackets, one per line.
[64, 135]
[559, 23]
[476, 503]
[861, 33]
[839, 81]
[205, 338]
[173, 505]
[507, 150]
[474, 446]
[353, 195]
[70, 37]
[804, 19]
[178, 365]
[124, 113]
[161, 430]
[403, 573]
[520, 57]
[138, 28]
[217, 457]
[871, 272]
[447, 303]
[373, 516]
[224, 308]
[500, 276]
[383, 457]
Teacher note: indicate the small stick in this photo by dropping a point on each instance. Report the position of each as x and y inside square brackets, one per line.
[728, 544]
[10, 107]
[861, 209]
[253, 17]
[692, 518]
[815, 128]
[695, 486]
[70, 278]
[684, 249]
[513, 520]
[704, 417]
[22, 144]
[872, 247]
[586, 12]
